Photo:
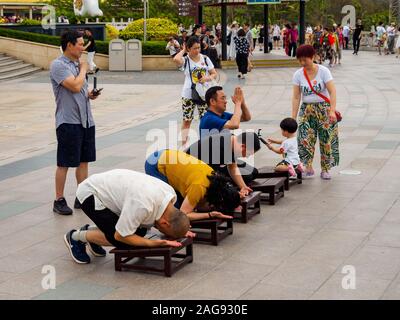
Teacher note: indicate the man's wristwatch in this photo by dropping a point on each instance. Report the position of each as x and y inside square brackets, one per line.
[209, 215]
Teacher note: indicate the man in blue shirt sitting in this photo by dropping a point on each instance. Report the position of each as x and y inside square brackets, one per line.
[216, 118]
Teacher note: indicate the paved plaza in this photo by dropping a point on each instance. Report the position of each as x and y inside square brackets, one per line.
[297, 249]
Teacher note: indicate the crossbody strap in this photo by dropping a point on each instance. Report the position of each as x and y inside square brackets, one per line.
[190, 71]
[326, 99]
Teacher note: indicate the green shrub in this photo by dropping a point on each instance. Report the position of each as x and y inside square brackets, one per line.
[157, 29]
[30, 22]
[156, 48]
[148, 48]
[111, 32]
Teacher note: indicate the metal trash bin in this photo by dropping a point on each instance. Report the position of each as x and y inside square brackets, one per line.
[133, 55]
[116, 54]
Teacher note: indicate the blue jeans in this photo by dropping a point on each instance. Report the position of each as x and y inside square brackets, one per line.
[151, 166]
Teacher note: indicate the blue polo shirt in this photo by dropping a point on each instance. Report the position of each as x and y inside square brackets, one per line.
[212, 121]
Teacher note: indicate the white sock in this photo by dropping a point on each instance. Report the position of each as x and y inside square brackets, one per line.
[79, 236]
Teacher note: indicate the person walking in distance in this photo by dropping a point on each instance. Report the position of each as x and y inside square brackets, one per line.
[357, 36]
[91, 49]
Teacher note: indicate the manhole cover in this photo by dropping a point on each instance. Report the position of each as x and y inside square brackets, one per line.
[350, 172]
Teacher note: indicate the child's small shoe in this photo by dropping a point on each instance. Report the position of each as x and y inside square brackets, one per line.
[300, 167]
[291, 170]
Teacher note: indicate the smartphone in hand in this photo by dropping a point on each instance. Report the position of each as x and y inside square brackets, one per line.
[96, 92]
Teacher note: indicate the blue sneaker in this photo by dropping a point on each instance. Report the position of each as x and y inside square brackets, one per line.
[76, 249]
[95, 249]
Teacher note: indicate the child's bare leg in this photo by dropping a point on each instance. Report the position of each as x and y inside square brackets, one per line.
[282, 168]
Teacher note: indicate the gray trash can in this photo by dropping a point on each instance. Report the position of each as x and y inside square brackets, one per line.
[116, 54]
[133, 55]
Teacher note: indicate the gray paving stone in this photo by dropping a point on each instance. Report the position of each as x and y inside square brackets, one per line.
[15, 207]
[111, 161]
[375, 262]
[381, 144]
[265, 291]
[366, 289]
[75, 290]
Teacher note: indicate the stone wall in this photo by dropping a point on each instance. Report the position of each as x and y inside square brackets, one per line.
[42, 55]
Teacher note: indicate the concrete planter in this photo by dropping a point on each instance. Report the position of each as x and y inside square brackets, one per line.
[42, 55]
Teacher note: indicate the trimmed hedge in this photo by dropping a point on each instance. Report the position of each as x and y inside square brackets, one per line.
[29, 36]
[157, 29]
[156, 48]
[148, 48]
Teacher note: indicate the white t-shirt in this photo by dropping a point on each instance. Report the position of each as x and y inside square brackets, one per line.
[380, 31]
[291, 152]
[391, 31]
[277, 31]
[200, 67]
[138, 199]
[319, 84]
[346, 31]
[174, 48]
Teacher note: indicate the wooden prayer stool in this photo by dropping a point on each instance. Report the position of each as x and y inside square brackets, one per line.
[211, 231]
[148, 259]
[250, 206]
[272, 189]
[269, 172]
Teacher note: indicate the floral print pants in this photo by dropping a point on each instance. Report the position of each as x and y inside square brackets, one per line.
[313, 123]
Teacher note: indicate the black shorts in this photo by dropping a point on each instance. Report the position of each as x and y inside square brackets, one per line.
[277, 38]
[106, 220]
[76, 144]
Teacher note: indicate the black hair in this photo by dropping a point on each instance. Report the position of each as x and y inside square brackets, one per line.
[289, 125]
[69, 36]
[212, 94]
[250, 140]
[241, 33]
[191, 41]
[222, 194]
[88, 29]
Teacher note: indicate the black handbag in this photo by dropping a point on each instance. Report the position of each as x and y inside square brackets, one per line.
[195, 95]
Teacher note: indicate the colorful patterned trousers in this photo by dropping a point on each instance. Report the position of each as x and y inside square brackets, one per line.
[313, 123]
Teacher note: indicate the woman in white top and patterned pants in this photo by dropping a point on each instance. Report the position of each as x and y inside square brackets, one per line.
[317, 116]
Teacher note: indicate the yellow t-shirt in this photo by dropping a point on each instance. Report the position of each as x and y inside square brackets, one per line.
[186, 174]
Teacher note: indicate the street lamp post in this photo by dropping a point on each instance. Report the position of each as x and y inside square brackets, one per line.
[145, 20]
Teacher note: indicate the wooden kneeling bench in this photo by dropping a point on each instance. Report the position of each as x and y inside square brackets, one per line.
[272, 189]
[211, 231]
[269, 172]
[148, 259]
[250, 207]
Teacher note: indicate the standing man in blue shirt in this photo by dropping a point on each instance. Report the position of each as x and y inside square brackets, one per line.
[74, 121]
[216, 118]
